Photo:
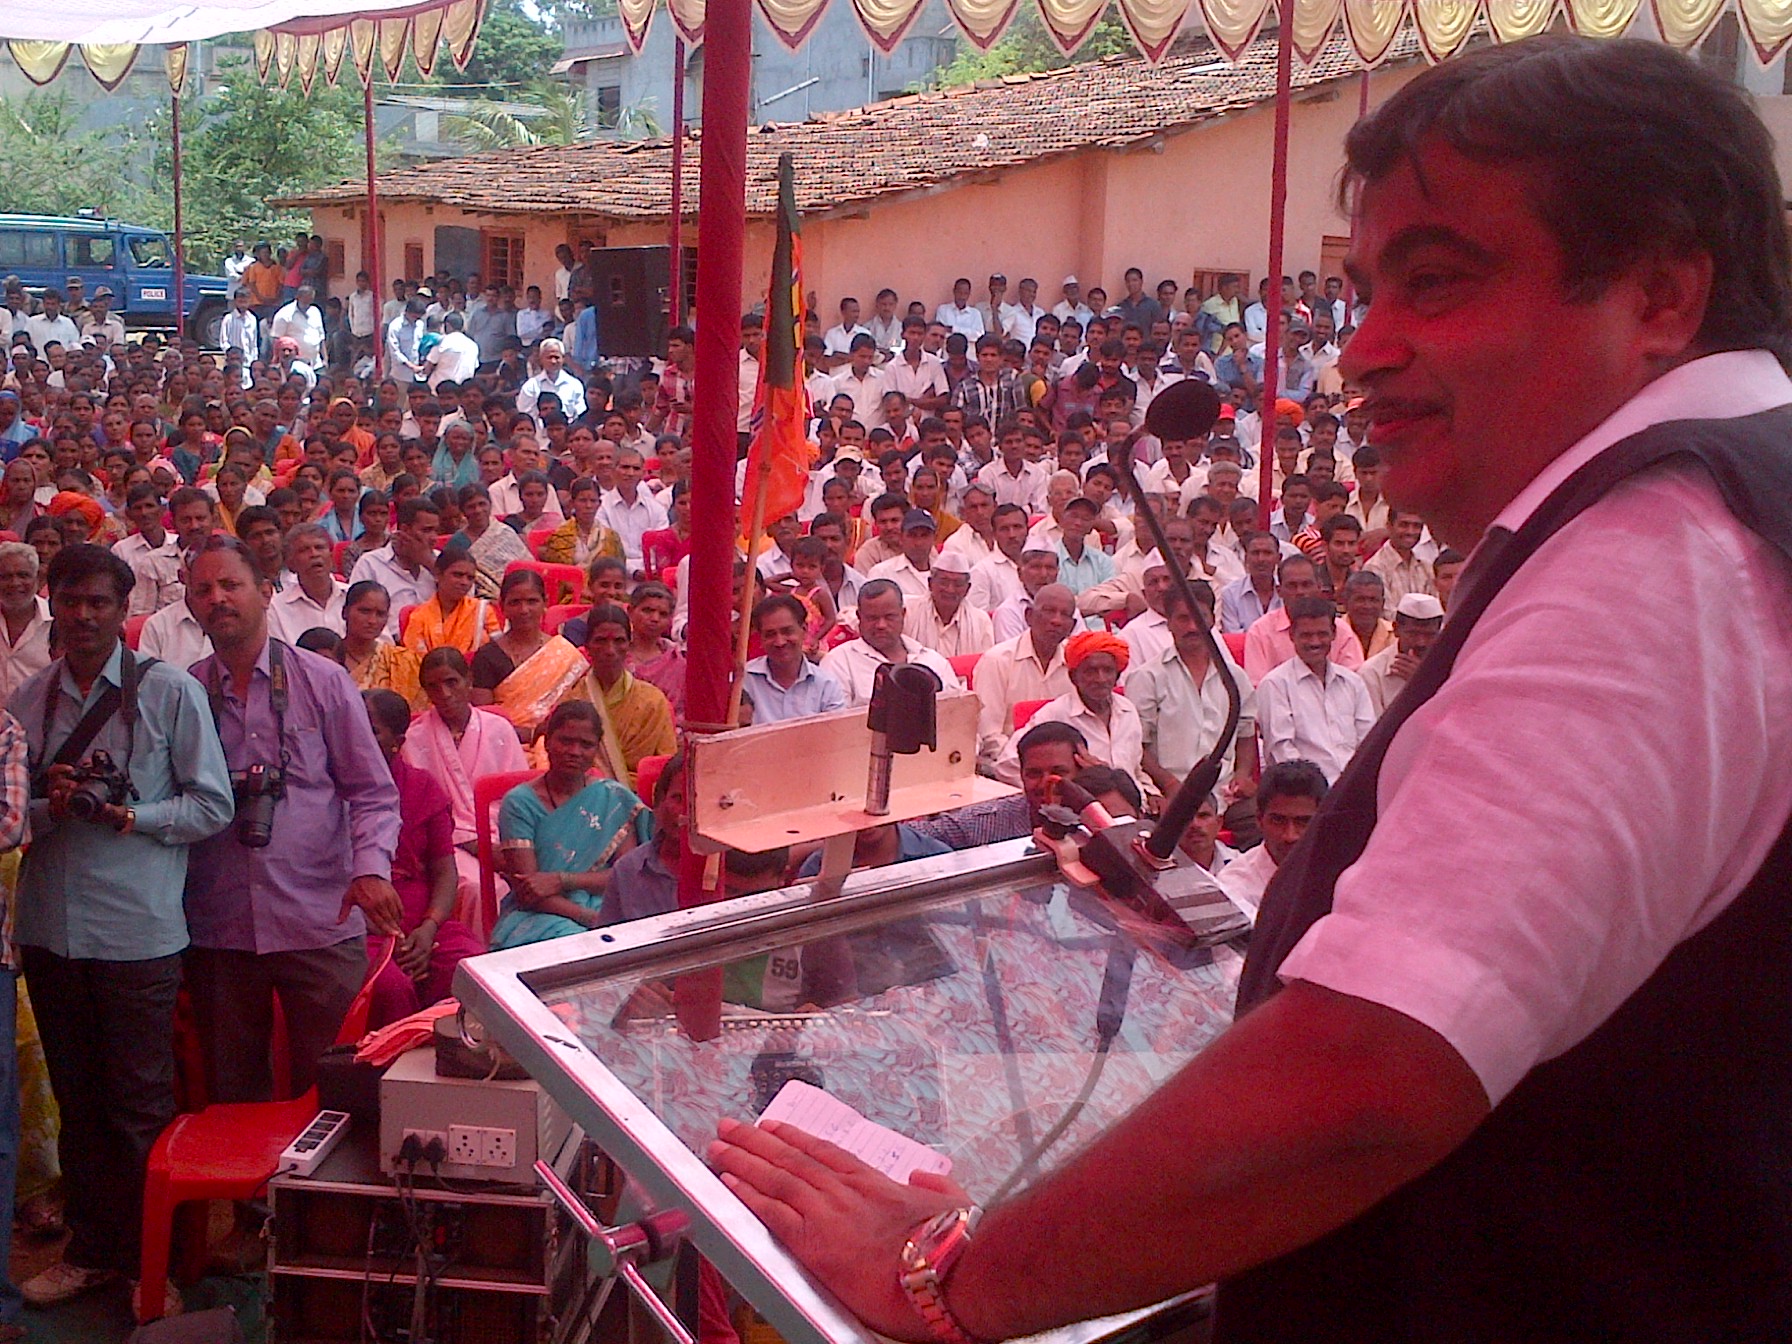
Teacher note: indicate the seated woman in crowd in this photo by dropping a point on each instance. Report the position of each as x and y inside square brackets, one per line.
[493, 545]
[651, 656]
[232, 485]
[536, 494]
[421, 971]
[375, 509]
[453, 618]
[606, 580]
[525, 671]
[662, 548]
[581, 538]
[373, 661]
[636, 716]
[559, 835]
[342, 520]
[18, 497]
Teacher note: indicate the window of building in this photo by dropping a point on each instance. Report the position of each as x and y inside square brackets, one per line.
[335, 257]
[413, 261]
[503, 260]
[606, 104]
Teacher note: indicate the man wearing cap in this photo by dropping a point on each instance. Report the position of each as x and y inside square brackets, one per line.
[1418, 620]
[100, 321]
[75, 302]
[288, 364]
[1109, 723]
[52, 325]
[1071, 307]
[301, 322]
[943, 620]
[1027, 666]
[908, 570]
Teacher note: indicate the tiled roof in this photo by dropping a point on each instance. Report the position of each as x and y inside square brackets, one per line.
[911, 143]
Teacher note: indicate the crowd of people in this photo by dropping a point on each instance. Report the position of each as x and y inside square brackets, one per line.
[257, 596]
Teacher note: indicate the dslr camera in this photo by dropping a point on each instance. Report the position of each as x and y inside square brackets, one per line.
[99, 784]
[258, 789]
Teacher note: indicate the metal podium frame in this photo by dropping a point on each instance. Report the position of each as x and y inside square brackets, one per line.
[502, 990]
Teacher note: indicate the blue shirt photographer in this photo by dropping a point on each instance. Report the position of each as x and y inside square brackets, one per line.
[87, 891]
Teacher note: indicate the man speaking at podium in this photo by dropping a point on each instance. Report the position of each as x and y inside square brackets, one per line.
[1514, 1054]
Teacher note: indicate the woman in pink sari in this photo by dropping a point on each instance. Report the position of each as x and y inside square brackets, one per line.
[421, 971]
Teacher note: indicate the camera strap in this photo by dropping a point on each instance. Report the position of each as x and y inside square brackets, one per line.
[120, 700]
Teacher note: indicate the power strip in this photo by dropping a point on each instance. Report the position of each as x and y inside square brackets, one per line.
[306, 1153]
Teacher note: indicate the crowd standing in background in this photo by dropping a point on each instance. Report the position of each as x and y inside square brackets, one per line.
[240, 544]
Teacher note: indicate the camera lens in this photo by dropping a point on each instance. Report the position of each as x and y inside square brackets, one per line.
[85, 802]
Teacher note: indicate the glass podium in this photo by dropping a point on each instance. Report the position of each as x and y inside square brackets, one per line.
[975, 1002]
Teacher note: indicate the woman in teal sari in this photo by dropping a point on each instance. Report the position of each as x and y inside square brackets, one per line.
[560, 834]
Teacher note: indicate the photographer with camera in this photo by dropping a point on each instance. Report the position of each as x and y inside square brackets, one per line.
[126, 773]
[282, 900]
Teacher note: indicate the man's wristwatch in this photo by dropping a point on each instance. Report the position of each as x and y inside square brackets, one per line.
[928, 1257]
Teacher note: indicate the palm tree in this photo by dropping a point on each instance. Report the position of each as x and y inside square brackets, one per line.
[564, 117]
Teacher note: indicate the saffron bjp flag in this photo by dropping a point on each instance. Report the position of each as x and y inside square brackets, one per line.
[780, 419]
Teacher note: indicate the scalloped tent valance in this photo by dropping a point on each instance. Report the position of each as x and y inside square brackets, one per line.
[301, 38]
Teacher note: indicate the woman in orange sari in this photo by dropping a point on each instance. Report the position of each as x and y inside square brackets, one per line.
[453, 618]
[524, 671]
[375, 662]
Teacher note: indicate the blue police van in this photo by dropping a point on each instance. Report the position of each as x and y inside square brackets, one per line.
[135, 263]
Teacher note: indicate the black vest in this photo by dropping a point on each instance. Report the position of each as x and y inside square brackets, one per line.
[1638, 1187]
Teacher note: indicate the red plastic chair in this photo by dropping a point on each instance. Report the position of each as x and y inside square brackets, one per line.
[669, 577]
[565, 583]
[537, 539]
[488, 792]
[133, 631]
[647, 774]
[964, 664]
[336, 553]
[1235, 644]
[1115, 619]
[404, 619]
[555, 617]
[1024, 710]
[227, 1151]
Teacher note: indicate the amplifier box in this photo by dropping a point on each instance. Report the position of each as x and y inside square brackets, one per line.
[489, 1130]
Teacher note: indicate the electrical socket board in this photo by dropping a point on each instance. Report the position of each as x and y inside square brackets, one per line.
[489, 1130]
[481, 1146]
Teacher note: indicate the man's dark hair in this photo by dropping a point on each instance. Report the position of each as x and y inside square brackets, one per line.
[1311, 609]
[1044, 734]
[77, 564]
[1289, 562]
[1291, 779]
[140, 492]
[1366, 456]
[1341, 522]
[779, 602]
[257, 513]
[1597, 118]
[416, 504]
[1448, 556]
[1100, 779]
[890, 501]
[880, 588]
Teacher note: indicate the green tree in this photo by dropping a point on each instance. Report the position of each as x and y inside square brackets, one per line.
[251, 142]
[513, 50]
[566, 118]
[1026, 48]
[53, 167]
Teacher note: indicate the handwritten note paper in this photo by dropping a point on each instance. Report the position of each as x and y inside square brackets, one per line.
[827, 1117]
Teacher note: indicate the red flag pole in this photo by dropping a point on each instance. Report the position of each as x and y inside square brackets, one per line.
[721, 256]
[675, 241]
[1272, 308]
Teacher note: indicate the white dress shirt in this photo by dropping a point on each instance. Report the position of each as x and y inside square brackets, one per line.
[1302, 716]
[967, 543]
[455, 359]
[925, 379]
[157, 569]
[966, 321]
[854, 665]
[304, 326]
[867, 395]
[631, 520]
[1181, 721]
[292, 612]
[26, 656]
[1246, 878]
[1516, 937]
[242, 332]
[175, 636]
[1025, 487]
[993, 581]
[837, 339]
[563, 385]
[1119, 740]
[42, 328]
[1008, 673]
[900, 571]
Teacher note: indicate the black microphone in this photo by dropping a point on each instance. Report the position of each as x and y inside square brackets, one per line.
[1183, 410]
